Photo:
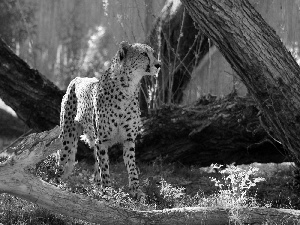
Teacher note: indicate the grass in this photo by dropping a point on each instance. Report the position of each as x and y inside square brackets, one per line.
[14, 210]
[168, 186]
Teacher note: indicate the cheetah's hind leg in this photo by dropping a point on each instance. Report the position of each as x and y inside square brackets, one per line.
[66, 155]
[101, 175]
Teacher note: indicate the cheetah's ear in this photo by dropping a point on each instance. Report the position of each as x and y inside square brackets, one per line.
[124, 46]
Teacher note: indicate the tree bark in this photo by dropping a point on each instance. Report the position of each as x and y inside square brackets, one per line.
[260, 59]
[34, 98]
[213, 130]
[16, 178]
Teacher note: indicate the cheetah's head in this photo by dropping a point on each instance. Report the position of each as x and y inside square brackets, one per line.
[137, 59]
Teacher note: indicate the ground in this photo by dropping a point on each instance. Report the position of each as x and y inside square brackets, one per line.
[278, 190]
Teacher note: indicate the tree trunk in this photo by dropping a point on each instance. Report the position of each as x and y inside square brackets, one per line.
[258, 56]
[35, 99]
[16, 178]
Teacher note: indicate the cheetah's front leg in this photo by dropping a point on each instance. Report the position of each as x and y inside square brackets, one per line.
[129, 160]
[101, 165]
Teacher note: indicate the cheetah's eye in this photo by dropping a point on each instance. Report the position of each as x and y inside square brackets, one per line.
[144, 54]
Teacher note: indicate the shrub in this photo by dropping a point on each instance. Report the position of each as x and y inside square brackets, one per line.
[233, 189]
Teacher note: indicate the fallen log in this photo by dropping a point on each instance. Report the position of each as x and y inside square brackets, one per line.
[224, 131]
[16, 178]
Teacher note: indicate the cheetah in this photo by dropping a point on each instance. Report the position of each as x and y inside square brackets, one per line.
[105, 111]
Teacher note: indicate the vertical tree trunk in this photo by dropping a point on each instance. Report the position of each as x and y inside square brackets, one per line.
[258, 56]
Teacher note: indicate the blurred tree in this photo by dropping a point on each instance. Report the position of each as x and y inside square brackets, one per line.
[180, 46]
[96, 59]
[17, 25]
[16, 21]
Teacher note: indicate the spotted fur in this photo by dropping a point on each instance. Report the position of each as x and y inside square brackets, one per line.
[106, 111]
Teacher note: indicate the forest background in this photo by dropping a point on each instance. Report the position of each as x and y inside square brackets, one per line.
[62, 38]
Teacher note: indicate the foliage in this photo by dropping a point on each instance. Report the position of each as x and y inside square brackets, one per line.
[235, 185]
[14, 210]
[96, 59]
[280, 190]
[81, 182]
[171, 194]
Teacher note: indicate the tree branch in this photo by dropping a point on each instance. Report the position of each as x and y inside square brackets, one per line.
[16, 179]
[34, 98]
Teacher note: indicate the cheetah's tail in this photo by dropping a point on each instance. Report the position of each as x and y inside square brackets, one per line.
[68, 106]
